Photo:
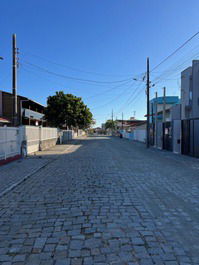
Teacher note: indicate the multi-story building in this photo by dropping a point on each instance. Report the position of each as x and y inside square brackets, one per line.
[160, 121]
[157, 106]
[29, 112]
[190, 109]
[190, 92]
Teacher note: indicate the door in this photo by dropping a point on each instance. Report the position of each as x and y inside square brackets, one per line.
[167, 136]
[185, 137]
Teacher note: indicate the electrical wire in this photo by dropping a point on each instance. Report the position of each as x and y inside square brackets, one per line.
[74, 78]
[131, 98]
[113, 99]
[174, 52]
[74, 68]
[109, 90]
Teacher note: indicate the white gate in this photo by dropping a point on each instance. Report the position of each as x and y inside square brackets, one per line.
[10, 144]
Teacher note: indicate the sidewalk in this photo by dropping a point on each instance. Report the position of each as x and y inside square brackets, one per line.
[14, 173]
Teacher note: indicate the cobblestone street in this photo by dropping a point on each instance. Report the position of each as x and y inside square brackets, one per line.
[103, 201]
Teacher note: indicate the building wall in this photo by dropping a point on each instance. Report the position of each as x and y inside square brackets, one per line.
[176, 112]
[186, 77]
[195, 89]
[7, 106]
[190, 91]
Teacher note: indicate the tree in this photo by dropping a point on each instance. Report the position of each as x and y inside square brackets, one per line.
[110, 125]
[67, 110]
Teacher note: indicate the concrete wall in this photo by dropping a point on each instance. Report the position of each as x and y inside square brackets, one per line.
[140, 135]
[46, 144]
[136, 135]
[38, 138]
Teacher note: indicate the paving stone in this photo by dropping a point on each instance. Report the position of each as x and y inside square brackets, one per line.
[101, 204]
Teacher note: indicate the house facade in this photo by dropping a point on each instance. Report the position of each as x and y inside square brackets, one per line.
[29, 112]
[190, 109]
[161, 121]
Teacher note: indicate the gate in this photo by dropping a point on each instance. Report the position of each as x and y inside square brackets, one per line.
[167, 136]
[190, 137]
[186, 137]
[176, 132]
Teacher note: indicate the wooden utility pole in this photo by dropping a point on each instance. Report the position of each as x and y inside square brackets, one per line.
[156, 118]
[14, 80]
[148, 96]
[164, 104]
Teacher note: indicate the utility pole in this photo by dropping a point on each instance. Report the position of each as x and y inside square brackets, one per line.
[164, 104]
[156, 118]
[14, 79]
[148, 96]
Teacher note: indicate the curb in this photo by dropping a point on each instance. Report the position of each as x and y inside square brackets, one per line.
[30, 174]
[22, 180]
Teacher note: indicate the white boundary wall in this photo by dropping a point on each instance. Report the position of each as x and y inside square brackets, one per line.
[140, 135]
[30, 138]
[36, 138]
[10, 142]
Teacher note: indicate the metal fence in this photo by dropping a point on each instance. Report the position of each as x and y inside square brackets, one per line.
[10, 145]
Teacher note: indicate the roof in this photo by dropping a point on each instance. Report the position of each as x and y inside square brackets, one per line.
[168, 100]
[131, 121]
[24, 98]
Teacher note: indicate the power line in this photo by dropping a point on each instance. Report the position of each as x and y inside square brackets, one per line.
[24, 68]
[131, 99]
[74, 68]
[108, 90]
[75, 78]
[113, 99]
[175, 68]
[174, 52]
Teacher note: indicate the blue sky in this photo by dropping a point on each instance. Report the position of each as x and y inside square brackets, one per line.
[100, 40]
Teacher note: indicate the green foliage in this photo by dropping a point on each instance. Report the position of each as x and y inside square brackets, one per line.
[110, 125]
[67, 110]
